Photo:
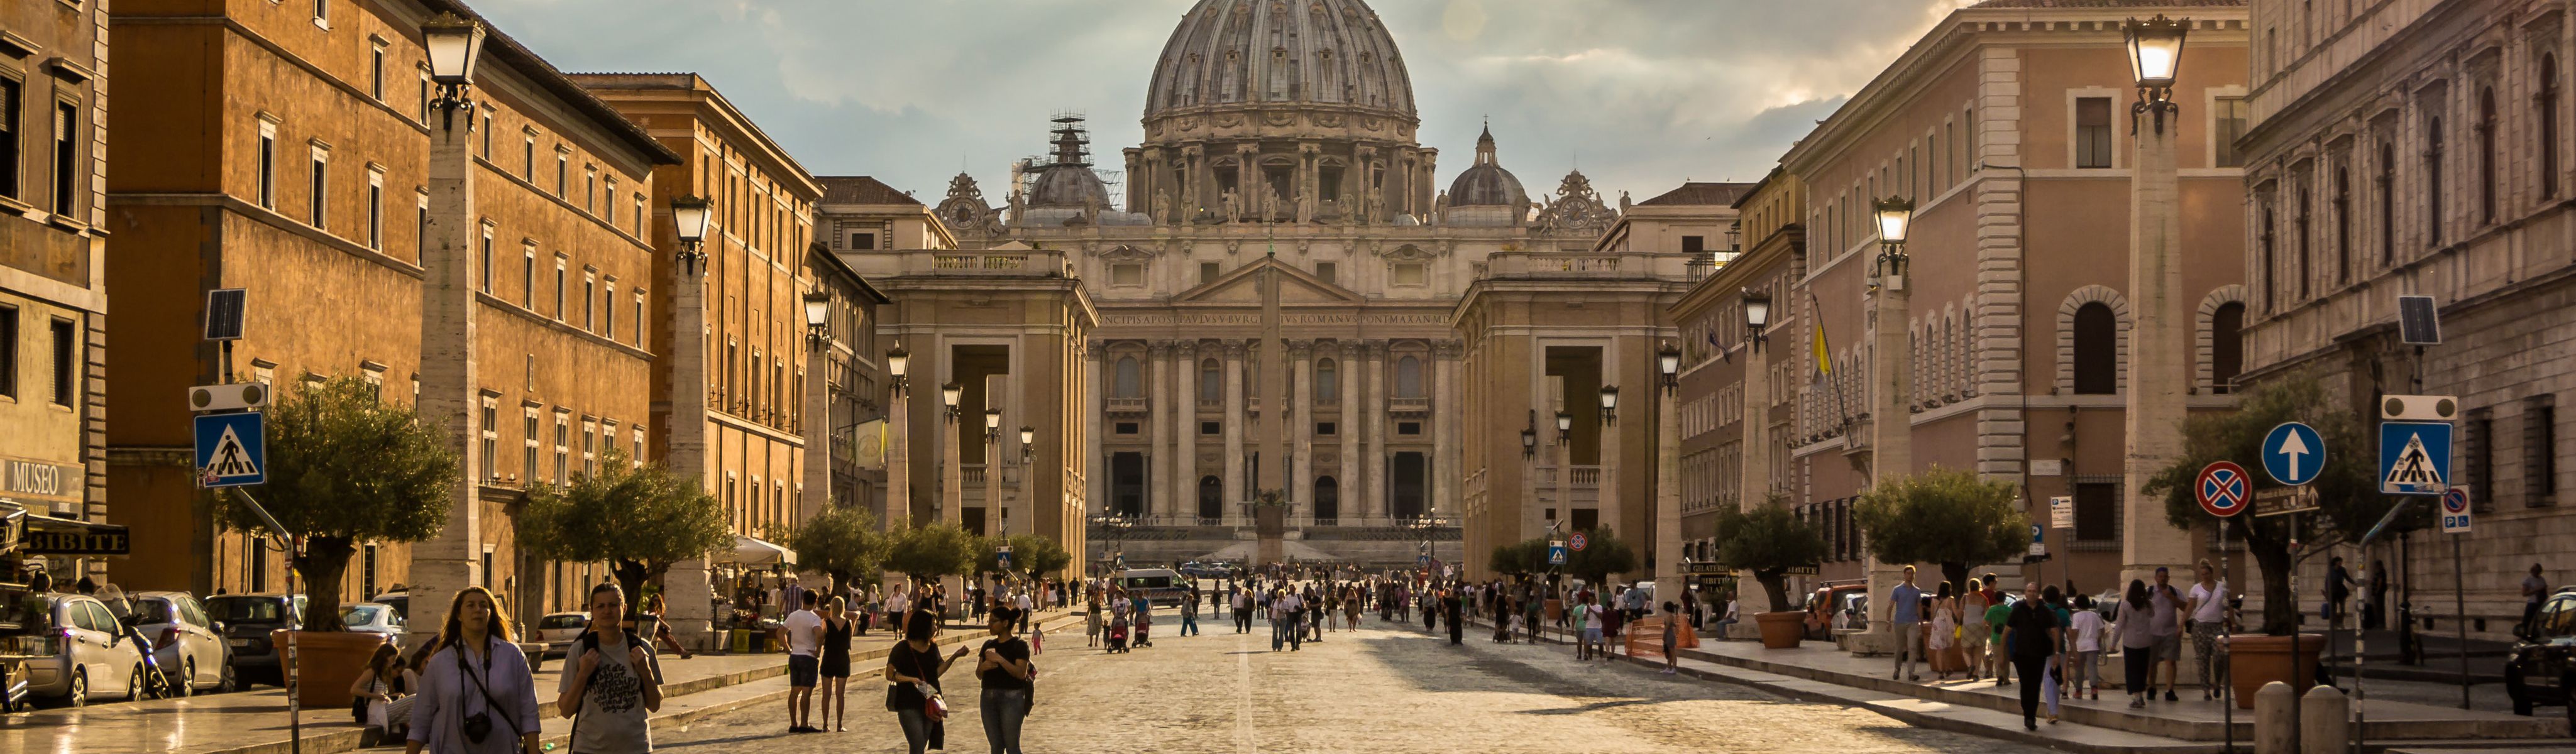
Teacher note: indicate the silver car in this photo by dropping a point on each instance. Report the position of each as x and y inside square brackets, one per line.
[374, 618]
[78, 651]
[185, 641]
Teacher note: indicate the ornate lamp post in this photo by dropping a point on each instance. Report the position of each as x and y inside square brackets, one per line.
[818, 313]
[2157, 339]
[449, 386]
[993, 471]
[1757, 402]
[1667, 557]
[1891, 422]
[952, 475]
[1116, 526]
[689, 218]
[898, 363]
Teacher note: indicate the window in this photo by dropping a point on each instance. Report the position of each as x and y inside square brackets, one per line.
[528, 156]
[589, 293]
[1207, 272]
[639, 318]
[491, 439]
[1694, 245]
[65, 353]
[563, 171]
[610, 205]
[267, 164]
[67, 172]
[9, 352]
[639, 216]
[1325, 271]
[2343, 225]
[589, 449]
[528, 275]
[2232, 116]
[2486, 156]
[2226, 346]
[321, 187]
[589, 189]
[258, 564]
[2433, 182]
[2387, 202]
[1327, 387]
[1408, 377]
[608, 309]
[2096, 357]
[2097, 511]
[1409, 273]
[376, 71]
[1325, 428]
[487, 119]
[2547, 103]
[10, 132]
[1211, 380]
[563, 447]
[2299, 229]
[1127, 273]
[560, 261]
[528, 434]
[420, 238]
[1408, 428]
[2540, 451]
[2477, 459]
[863, 241]
[322, 13]
[1211, 428]
[376, 210]
[423, 115]
[1130, 378]
[2093, 132]
[487, 248]
[638, 457]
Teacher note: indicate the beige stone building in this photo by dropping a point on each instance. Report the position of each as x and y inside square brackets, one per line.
[2421, 149]
[53, 280]
[1726, 461]
[496, 268]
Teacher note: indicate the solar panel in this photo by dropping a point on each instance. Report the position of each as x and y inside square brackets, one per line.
[224, 313]
[2417, 322]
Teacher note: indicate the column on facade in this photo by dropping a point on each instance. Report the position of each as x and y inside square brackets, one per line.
[1445, 407]
[1347, 475]
[1095, 465]
[1158, 378]
[1193, 190]
[1301, 426]
[1231, 475]
[1185, 424]
[1373, 418]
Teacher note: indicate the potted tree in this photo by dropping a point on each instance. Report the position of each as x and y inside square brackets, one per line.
[638, 519]
[929, 553]
[1603, 554]
[2348, 504]
[843, 543]
[344, 468]
[1769, 541]
[1946, 517]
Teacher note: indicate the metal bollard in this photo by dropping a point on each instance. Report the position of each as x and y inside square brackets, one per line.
[2272, 723]
[2325, 717]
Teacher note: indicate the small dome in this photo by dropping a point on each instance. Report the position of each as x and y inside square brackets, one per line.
[1487, 184]
[1063, 185]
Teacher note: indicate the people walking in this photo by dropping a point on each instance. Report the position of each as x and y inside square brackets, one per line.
[912, 673]
[1945, 631]
[649, 624]
[1284, 612]
[1009, 681]
[1587, 629]
[834, 667]
[1905, 605]
[2085, 638]
[2534, 590]
[1997, 613]
[614, 683]
[1453, 605]
[2206, 609]
[1672, 637]
[2137, 641]
[2168, 627]
[1973, 635]
[2031, 633]
[477, 695]
[1242, 610]
[1189, 616]
[804, 663]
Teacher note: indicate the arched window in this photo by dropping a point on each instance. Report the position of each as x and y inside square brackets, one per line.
[2343, 225]
[2486, 156]
[2270, 271]
[1328, 383]
[2547, 103]
[2433, 182]
[1130, 379]
[2097, 347]
[1211, 380]
[2226, 346]
[2387, 203]
[1408, 377]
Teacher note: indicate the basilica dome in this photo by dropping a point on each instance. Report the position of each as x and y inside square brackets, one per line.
[1334, 54]
[1486, 183]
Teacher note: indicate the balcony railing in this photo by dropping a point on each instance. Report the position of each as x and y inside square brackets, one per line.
[1585, 477]
[1408, 405]
[1127, 405]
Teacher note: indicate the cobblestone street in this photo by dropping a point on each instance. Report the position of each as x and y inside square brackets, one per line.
[1372, 691]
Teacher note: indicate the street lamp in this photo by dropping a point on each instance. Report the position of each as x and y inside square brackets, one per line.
[1028, 439]
[897, 360]
[1895, 216]
[949, 394]
[1610, 405]
[818, 310]
[454, 44]
[993, 424]
[2155, 54]
[1529, 443]
[1564, 426]
[689, 216]
[1668, 358]
[1116, 525]
[1757, 316]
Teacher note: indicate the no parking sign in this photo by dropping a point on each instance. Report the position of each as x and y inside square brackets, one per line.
[2455, 510]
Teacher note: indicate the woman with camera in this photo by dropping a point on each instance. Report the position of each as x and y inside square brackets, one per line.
[912, 692]
[477, 694]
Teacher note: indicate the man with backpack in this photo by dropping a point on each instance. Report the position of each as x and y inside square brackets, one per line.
[614, 682]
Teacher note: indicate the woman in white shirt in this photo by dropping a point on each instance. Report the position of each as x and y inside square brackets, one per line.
[2206, 610]
[2086, 675]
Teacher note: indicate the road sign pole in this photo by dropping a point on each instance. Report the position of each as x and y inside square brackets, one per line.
[2460, 606]
[2227, 691]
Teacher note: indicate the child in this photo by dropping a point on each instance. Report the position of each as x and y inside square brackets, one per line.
[1518, 624]
[1091, 622]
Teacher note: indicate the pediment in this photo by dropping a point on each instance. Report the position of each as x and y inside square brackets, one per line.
[1243, 286]
[1123, 253]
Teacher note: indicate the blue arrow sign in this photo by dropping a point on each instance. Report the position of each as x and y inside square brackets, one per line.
[2414, 457]
[2294, 453]
[232, 450]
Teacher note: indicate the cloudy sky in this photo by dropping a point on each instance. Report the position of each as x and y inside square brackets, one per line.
[1640, 94]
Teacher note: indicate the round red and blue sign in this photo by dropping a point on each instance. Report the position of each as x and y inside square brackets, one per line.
[1578, 540]
[2223, 489]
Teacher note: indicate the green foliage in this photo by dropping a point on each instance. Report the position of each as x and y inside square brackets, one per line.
[638, 520]
[1944, 516]
[842, 542]
[2348, 499]
[1521, 558]
[1030, 554]
[1602, 554]
[929, 552]
[345, 468]
[1270, 498]
[1768, 541]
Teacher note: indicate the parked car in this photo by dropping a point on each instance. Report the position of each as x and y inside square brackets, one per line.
[247, 620]
[2542, 667]
[374, 618]
[187, 642]
[557, 630]
[399, 601]
[70, 647]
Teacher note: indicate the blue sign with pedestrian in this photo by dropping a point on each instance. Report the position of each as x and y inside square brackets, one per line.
[1555, 554]
[2414, 457]
[232, 450]
[2294, 453]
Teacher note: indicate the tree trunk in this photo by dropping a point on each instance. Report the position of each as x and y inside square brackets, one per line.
[1776, 586]
[324, 563]
[1955, 572]
[2280, 604]
[630, 577]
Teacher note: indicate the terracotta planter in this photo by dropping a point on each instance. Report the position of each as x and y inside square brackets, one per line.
[2256, 660]
[1555, 610]
[1781, 630]
[326, 663]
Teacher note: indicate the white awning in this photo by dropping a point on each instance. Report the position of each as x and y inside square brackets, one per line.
[754, 552]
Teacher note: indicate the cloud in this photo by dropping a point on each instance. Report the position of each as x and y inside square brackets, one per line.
[1641, 94]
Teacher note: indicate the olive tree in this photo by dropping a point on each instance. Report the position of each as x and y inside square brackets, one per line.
[638, 519]
[1947, 517]
[1769, 541]
[344, 468]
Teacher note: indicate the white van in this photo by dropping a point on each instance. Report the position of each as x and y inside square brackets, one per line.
[1161, 586]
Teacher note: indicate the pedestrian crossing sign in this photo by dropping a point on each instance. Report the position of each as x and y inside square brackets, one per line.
[232, 450]
[2414, 457]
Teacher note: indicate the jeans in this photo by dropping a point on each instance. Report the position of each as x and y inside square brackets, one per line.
[1907, 635]
[1002, 710]
[1278, 634]
[1242, 620]
[2032, 668]
[1719, 629]
[2088, 670]
[1189, 624]
[916, 729]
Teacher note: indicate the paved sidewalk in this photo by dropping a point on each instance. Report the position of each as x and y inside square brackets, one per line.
[254, 722]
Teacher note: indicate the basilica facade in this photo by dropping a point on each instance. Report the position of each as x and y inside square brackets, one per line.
[1272, 301]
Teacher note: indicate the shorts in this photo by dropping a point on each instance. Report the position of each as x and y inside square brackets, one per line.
[802, 670]
[2168, 648]
[1591, 634]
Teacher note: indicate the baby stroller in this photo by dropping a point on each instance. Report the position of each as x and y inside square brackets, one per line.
[1144, 633]
[1118, 636]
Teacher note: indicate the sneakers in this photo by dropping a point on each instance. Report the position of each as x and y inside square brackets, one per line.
[2169, 695]
[2137, 702]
